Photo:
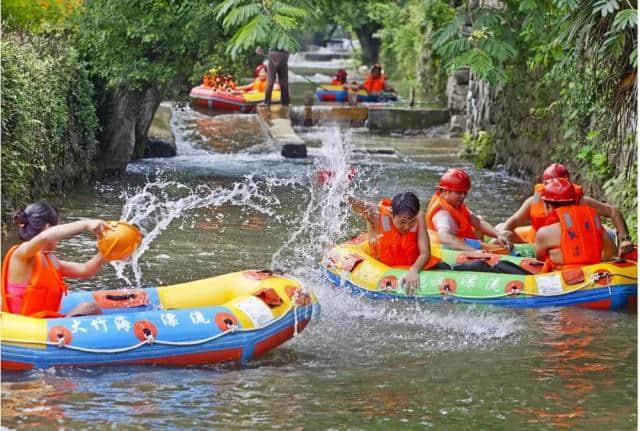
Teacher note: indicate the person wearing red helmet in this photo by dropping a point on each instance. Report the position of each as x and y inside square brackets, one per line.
[340, 78]
[451, 219]
[574, 235]
[398, 235]
[533, 211]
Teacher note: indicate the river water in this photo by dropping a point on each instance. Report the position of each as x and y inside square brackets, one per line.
[228, 202]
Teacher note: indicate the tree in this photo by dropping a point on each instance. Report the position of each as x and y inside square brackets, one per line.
[355, 16]
[266, 22]
[37, 16]
[142, 51]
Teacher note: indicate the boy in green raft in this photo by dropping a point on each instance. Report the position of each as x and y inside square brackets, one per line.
[398, 235]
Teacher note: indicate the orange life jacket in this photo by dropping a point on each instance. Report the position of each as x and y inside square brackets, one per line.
[337, 82]
[581, 237]
[394, 248]
[538, 212]
[259, 85]
[461, 215]
[374, 85]
[43, 294]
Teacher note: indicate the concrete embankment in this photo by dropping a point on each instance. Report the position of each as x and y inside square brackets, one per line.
[382, 119]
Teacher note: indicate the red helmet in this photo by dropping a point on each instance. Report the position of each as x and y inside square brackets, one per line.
[455, 180]
[259, 68]
[559, 190]
[341, 74]
[555, 170]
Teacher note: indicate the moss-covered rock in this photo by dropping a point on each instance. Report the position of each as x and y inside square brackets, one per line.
[481, 149]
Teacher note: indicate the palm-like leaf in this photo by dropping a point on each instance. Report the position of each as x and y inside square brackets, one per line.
[240, 15]
[450, 30]
[258, 22]
[625, 18]
[605, 7]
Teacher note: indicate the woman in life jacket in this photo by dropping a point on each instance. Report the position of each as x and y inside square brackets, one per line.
[533, 211]
[398, 235]
[32, 275]
[573, 235]
[457, 227]
[375, 82]
[259, 85]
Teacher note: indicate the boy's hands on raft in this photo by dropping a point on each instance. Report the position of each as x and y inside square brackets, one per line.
[625, 246]
[503, 239]
[410, 281]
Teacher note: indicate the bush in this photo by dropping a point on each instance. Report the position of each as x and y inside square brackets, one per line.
[480, 150]
[48, 119]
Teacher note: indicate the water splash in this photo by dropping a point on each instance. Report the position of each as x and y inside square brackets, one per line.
[160, 202]
[324, 219]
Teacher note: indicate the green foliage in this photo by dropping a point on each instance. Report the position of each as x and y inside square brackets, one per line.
[37, 15]
[570, 63]
[480, 40]
[621, 191]
[148, 43]
[266, 22]
[407, 39]
[48, 120]
[481, 149]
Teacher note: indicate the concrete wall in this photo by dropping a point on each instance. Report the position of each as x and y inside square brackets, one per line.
[387, 120]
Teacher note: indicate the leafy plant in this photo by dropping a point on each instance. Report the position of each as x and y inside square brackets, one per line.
[48, 119]
[480, 150]
[479, 39]
[267, 22]
[37, 16]
[140, 44]
[407, 38]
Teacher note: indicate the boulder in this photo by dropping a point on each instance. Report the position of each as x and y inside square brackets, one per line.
[294, 151]
[160, 139]
[156, 148]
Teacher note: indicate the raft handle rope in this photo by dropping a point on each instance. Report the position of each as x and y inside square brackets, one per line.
[447, 294]
[150, 339]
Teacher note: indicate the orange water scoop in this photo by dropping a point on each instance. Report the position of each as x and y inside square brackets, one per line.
[119, 242]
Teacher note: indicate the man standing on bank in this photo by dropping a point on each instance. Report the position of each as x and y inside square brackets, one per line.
[278, 64]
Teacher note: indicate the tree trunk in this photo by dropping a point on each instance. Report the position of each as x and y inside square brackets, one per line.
[147, 110]
[126, 124]
[370, 45]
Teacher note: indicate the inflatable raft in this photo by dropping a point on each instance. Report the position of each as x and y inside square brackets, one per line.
[232, 317]
[608, 286]
[336, 93]
[207, 97]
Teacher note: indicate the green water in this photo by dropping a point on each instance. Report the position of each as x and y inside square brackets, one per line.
[363, 364]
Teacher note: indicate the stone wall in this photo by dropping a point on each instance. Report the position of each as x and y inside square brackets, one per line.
[457, 93]
[522, 144]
